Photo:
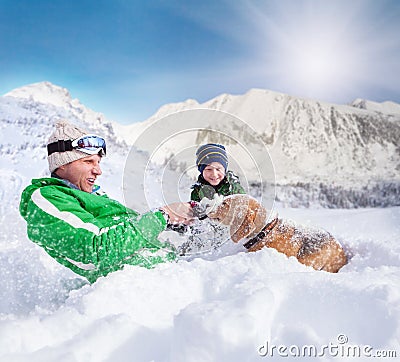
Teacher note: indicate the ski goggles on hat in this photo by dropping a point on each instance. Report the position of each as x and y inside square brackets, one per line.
[90, 144]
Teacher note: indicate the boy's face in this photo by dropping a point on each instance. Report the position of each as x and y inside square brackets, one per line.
[214, 173]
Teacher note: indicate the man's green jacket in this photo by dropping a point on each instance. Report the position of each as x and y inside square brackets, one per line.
[91, 234]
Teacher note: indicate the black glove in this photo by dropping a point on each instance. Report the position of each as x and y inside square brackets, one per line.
[179, 228]
[199, 210]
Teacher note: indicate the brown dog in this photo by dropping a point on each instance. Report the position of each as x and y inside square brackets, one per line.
[247, 219]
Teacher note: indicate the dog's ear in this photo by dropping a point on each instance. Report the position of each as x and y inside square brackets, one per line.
[245, 215]
[261, 218]
[250, 221]
[241, 231]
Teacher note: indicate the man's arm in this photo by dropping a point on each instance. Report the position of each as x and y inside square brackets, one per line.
[72, 235]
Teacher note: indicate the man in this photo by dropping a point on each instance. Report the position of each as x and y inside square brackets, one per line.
[82, 229]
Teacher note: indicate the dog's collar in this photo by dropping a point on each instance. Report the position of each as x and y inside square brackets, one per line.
[262, 234]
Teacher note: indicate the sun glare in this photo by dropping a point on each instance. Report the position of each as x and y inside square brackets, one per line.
[313, 65]
[316, 52]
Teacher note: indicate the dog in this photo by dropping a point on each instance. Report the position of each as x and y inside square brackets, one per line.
[247, 220]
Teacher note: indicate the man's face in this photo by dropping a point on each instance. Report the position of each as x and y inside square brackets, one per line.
[82, 173]
[214, 173]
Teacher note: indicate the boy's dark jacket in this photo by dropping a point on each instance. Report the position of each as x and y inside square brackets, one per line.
[230, 185]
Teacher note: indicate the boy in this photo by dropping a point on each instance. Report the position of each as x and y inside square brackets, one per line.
[214, 178]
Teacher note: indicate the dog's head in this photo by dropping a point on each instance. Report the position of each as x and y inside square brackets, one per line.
[243, 213]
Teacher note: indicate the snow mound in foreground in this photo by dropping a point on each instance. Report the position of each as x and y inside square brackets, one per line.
[234, 307]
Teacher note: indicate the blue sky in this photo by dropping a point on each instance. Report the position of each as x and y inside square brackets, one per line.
[127, 58]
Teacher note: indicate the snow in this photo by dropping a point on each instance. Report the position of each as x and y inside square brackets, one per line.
[226, 305]
[384, 107]
[221, 307]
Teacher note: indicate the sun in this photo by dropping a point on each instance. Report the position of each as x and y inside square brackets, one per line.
[316, 66]
[314, 51]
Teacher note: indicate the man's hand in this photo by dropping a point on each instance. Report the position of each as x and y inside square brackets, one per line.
[179, 213]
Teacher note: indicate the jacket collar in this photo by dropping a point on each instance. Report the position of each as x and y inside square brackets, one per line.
[68, 183]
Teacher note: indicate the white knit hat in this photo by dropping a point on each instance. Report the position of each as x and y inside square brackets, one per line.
[65, 131]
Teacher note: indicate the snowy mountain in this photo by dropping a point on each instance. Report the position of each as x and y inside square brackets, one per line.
[27, 116]
[322, 153]
[384, 107]
[53, 95]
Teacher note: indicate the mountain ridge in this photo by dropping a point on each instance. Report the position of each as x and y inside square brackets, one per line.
[342, 139]
[350, 148]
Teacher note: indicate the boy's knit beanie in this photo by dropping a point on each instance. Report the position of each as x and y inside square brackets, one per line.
[211, 152]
